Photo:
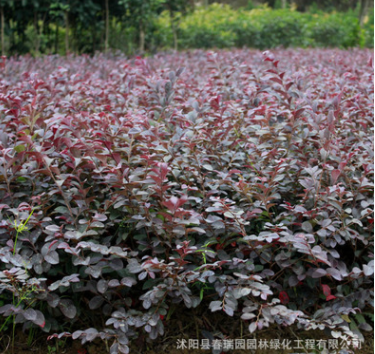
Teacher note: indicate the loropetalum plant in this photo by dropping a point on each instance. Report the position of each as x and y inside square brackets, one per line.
[236, 181]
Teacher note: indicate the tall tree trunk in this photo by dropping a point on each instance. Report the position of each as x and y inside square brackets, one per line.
[363, 11]
[283, 4]
[106, 26]
[37, 39]
[48, 30]
[57, 38]
[12, 39]
[141, 37]
[2, 31]
[175, 39]
[173, 27]
[66, 32]
[93, 33]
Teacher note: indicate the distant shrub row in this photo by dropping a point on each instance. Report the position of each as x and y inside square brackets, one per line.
[222, 27]
[214, 26]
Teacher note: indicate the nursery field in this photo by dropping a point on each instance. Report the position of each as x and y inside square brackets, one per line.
[187, 202]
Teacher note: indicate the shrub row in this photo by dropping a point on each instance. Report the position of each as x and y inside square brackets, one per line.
[215, 26]
[236, 182]
[222, 27]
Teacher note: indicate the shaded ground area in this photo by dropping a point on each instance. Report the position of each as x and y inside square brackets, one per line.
[184, 326]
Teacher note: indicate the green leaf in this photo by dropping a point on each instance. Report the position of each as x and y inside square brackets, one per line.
[62, 210]
[150, 283]
[20, 148]
[359, 317]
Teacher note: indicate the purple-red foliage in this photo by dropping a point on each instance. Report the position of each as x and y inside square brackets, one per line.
[238, 181]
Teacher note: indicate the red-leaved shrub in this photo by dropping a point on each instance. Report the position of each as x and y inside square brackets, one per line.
[236, 181]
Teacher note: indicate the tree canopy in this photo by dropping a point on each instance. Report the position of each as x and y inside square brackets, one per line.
[63, 26]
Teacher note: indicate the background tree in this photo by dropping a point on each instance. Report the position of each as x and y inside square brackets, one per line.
[363, 10]
[4, 6]
[141, 12]
[57, 11]
[87, 15]
[302, 5]
[63, 26]
[177, 9]
[106, 26]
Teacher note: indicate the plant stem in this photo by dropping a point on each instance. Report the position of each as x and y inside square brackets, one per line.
[13, 332]
[15, 244]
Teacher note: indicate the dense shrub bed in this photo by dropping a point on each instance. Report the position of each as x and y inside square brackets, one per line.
[236, 181]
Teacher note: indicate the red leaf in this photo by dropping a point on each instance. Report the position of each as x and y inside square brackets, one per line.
[284, 298]
[52, 243]
[163, 170]
[330, 297]
[335, 175]
[327, 292]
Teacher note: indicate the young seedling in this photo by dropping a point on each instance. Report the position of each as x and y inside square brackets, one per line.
[20, 227]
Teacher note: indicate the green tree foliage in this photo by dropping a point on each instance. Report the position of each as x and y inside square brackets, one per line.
[218, 26]
[177, 9]
[136, 26]
[140, 13]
